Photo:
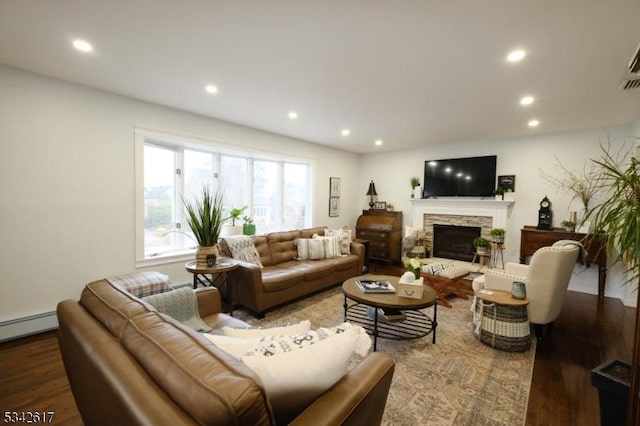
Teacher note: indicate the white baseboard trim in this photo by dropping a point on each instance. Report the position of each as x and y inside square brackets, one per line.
[26, 326]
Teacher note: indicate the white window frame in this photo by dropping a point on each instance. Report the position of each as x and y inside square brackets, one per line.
[179, 143]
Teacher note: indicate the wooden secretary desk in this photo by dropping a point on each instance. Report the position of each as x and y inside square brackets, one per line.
[383, 230]
[531, 239]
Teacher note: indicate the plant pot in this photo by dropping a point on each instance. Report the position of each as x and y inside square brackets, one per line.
[231, 230]
[482, 250]
[612, 381]
[206, 257]
[249, 229]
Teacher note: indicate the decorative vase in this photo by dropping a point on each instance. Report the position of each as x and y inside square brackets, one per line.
[249, 229]
[206, 257]
[518, 290]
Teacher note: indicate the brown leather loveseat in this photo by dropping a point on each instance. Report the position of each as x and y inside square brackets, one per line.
[129, 364]
[282, 278]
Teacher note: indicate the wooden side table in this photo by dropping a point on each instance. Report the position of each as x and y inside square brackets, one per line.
[501, 321]
[482, 258]
[531, 239]
[365, 243]
[217, 276]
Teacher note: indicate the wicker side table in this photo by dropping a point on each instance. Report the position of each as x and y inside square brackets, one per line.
[501, 321]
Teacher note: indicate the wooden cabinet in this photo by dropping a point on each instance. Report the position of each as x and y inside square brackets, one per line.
[531, 239]
[384, 231]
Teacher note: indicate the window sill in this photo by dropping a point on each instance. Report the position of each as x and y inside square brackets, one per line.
[166, 259]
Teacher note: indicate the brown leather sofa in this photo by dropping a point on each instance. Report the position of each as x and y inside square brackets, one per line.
[282, 278]
[129, 364]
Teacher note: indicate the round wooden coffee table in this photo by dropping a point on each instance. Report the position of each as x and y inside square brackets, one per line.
[415, 323]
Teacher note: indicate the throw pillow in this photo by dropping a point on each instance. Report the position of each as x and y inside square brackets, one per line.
[310, 249]
[298, 328]
[242, 248]
[236, 346]
[294, 379]
[331, 245]
[275, 345]
[344, 236]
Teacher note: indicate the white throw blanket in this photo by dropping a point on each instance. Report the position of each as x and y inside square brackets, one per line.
[180, 304]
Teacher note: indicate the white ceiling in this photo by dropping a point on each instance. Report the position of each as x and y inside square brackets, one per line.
[412, 72]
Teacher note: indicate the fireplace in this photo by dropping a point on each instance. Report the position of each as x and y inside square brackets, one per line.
[454, 242]
[461, 211]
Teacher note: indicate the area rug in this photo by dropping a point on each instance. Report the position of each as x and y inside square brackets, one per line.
[456, 381]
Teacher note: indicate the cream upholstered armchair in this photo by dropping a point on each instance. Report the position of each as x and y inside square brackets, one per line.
[546, 279]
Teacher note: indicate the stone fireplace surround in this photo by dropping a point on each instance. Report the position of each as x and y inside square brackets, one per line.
[484, 213]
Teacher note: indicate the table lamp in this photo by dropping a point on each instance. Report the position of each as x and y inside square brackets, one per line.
[372, 193]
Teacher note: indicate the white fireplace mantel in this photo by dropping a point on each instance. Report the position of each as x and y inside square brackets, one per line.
[496, 209]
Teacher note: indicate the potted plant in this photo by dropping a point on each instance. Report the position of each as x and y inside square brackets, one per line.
[568, 225]
[415, 183]
[481, 244]
[204, 217]
[617, 218]
[248, 228]
[234, 215]
[497, 235]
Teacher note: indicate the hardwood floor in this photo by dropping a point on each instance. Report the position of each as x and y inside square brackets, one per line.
[32, 378]
[585, 335]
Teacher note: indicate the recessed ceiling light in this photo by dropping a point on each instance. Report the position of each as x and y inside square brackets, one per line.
[211, 88]
[379, 142]
[293, 115]
[345, 132]
[516, 55]
[533, 123]
[526, 100]
[82, 45]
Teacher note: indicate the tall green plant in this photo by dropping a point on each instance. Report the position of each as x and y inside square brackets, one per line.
[618, 217]
[204, 217]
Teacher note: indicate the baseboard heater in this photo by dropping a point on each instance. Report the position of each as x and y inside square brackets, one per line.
[26, 326]
[34, 324]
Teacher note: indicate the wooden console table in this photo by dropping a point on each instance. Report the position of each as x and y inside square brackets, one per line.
[531, 239]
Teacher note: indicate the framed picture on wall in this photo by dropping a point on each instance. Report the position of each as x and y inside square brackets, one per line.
[507, 182]
[334, 187]
[334, 206]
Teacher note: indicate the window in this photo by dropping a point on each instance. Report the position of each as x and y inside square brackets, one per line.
[276, 190]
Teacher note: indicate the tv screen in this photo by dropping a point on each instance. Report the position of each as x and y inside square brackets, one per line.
[460, 177]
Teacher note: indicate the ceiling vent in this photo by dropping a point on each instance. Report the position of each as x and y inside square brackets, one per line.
[630, 83]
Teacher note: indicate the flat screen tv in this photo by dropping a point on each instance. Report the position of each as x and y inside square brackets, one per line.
[460, 177]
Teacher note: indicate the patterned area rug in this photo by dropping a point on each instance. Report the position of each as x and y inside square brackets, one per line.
[457, 381]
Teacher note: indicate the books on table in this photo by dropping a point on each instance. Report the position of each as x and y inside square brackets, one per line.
[375, 286]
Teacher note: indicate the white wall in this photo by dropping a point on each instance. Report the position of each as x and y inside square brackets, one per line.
[524, 157]
[67, 176]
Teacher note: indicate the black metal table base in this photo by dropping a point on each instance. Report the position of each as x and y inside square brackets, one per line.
[416, 324]
[221, 281]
